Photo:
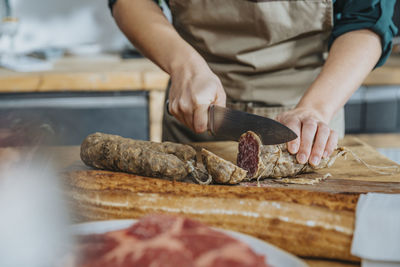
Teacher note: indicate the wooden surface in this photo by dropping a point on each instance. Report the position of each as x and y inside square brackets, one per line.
[156, 106]
[347, 175]
[110, 73]
[100, 73]
[389, 74]
[389, 140]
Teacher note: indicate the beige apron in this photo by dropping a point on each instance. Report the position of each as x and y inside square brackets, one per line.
[265, 52]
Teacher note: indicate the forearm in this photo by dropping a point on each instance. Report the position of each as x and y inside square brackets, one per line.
[194, 87]
[144, 24]
[352, 57]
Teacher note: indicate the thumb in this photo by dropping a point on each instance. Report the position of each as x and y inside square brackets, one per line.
[220, 98]
[200, 118]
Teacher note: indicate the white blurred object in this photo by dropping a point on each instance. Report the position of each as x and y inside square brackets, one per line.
[9, 59]
[376, 237]
[25, 64]
[9, 28]
[64, 24]
[392, 153]
[84, 50]
[33, 216]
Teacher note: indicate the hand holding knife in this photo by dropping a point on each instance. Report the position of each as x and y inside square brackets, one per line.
[229, 123]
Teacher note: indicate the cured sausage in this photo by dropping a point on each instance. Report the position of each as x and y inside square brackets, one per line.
[113, 152]
[221, 170]
[272, 161]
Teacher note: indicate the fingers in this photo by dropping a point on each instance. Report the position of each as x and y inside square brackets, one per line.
[331, 144]
[174, 110]
[295, 126]
[315, 139]
[194, 116]
[186, 111]
[309, 128]
[320, 142]
[200, 118]
[190, 105]
[220, 99]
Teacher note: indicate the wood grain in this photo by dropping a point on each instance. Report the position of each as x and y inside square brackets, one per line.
[388, 140]
[347, 174]
[110, 73]
[307, 220]
[156, 109]
[388, 74]
[101, 73]
[311, 224]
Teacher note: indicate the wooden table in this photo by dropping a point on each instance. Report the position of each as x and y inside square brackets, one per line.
[69, 156]
[390, 140]
[97, 74]
[389, 74]
[110, 73]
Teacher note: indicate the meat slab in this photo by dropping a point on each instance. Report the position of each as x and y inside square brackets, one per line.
[164, 240]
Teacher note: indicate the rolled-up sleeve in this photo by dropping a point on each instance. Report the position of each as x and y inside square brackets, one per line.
[376, 15]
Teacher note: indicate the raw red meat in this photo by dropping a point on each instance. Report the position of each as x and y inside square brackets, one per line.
[164, 240]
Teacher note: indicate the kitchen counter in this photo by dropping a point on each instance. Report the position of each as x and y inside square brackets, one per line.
[110, 73]
[100, 73]
[389, 74]
[68, 157]
[103, 73]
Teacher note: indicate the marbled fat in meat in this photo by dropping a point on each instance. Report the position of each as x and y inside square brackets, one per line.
[164, 240]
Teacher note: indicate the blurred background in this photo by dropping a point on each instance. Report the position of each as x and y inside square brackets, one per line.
[64, 24]
[66, 72]
[67, 65]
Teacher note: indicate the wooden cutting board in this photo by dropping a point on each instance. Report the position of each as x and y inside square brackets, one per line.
[348, 175]
[307, 220]
[284, 212]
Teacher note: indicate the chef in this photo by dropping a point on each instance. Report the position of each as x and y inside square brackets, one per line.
[267, 57]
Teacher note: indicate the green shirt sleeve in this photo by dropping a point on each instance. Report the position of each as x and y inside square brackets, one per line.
[376, 15]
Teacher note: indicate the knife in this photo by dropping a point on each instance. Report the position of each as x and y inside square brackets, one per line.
[232, 124]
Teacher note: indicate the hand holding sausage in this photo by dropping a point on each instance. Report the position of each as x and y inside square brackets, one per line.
[315, 139]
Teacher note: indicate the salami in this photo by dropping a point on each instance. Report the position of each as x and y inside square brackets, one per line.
[272, 161]
[113, 152]
[222, 171]
[164, 240]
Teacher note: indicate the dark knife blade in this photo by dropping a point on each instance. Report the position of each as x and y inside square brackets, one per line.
[231, 124]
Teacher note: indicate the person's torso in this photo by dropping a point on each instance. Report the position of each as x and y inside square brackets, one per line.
[262, 50]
